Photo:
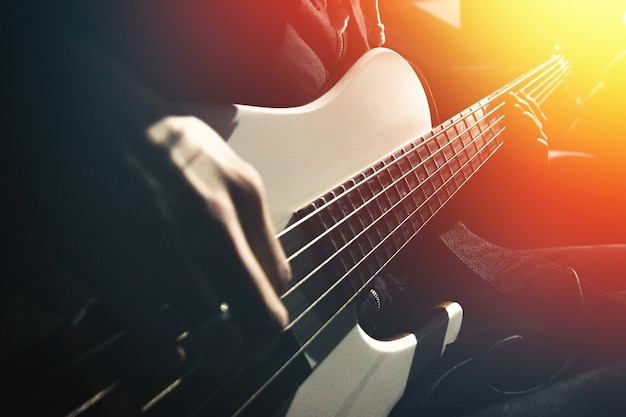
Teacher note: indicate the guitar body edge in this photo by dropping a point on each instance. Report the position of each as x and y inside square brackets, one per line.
[366, 377]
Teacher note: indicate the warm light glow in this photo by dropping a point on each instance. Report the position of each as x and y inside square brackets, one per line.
[496, 41]
[591, 34]
[449, 11]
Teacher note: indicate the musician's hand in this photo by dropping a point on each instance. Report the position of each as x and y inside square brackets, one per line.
[526, 144]
[226, 226]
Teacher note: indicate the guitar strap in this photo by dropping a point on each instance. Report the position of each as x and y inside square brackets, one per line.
[570, 308]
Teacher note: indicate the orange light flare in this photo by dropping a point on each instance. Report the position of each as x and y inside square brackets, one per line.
[593, 34]
[515, 32]
[590, 198]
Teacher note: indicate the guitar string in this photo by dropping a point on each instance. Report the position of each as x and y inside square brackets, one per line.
[553, 81]
[395, 162]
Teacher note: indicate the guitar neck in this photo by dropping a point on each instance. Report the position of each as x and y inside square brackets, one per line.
[359, 226]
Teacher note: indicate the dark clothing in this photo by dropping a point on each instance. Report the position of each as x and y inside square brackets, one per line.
[271, 53]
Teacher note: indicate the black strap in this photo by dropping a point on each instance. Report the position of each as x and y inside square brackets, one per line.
[571, 308]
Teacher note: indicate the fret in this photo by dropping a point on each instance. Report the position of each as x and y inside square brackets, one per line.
[412, 177]
[370, 267]
[443, 195]
[354, 196]
[387, 249]
[383, 227]
[407, 231]
[436, 180]
[387, 222]
[402, 185]
[338, 238]
[394, 194]
[430, 166]
[493, 119]
[451, 188]
[395, 165]
[353, 253]
[470, 118]
[380, 258]
[421, 173]
[368, 214]
[376, 185]
[454, 165]
[461, 174]
[474, 134]
[383, 203]
[432, 145]
[401, 211]
[415, 221]
[476, 163]
[491, 146]
[425, 213]
[419, 141]
[458, 145]
[365, 190]
[373, 236]
[373, 185]
[336, 267]
[463, 156]
[409, 202]
[376, 209]
[446, 124]
[403, 162]
[467, 171]
[360, 247]
[459, 119]
[483, 121]
[423, 153]
[433, 204]
[326, 219]
[399, 240]
[439, 159]
[428, 188]
[335, 211]
[419, 196]
[344, 202]
[364, 217]
[473, 147]
[482, 140]
[451, 134]
[412, 156]
[350, 203]
[446, 172]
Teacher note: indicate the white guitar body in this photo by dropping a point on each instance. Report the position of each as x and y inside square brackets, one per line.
[303, 152]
